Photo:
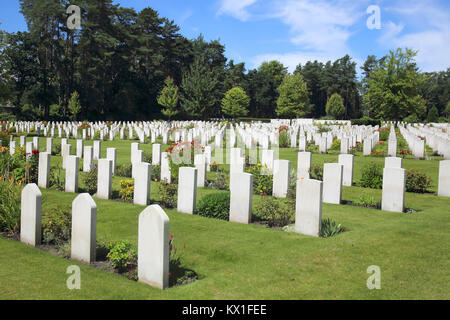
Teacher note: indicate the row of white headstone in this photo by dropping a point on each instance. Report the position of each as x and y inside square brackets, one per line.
[153, 234]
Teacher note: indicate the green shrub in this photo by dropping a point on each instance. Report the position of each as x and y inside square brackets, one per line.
[10, 196]
[417, 181]
[156, 173]
[316, 172]
[292, 187]
[57, 178]
[366, 121]
[366, 200]
[323, 129]
[329, 228]
[262, 179]
[372, 176]
[90, 180]
[336, 145]
[121, 254]
[126, 191]
[274, 212]
[168, 194]
[147, 157]
[384, 134]
[283, 139]
[214, 205]
[123, 170]
[56, 226]
[56, 149]
[221, 182]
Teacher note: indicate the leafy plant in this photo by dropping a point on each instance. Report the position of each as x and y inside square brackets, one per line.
[372, 176]
[329, 228]
[274, 212]
[56, 178]
[262, 179]
[221, 182]
[417, 181]
[121, 254]
[90, 180]
[126, 190]
[124, 170]
[10, 196]
[316, 172]
[214, 205]
[366, 200]
[56, 226]
[168, 194]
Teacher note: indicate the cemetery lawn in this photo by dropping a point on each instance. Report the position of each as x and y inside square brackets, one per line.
[253, 262]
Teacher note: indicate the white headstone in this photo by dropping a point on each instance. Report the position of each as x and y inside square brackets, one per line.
[142, 181]
[84, 228]
[72, 164]
[153, 247]
[104, 179]
[347, 162]
[393, 196]
[187, 189]
[44, 169]
[332, 183]
[308, 207]
[241, 198]
[281, 170]
[444, 178]
[31, 215]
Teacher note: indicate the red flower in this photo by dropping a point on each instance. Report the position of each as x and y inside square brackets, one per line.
[35, 151]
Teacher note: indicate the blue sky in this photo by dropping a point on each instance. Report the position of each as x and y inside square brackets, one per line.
[295, 31]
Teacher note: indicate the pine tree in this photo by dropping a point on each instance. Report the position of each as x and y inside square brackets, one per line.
[168, 98]
[335, 106]
[74, 105]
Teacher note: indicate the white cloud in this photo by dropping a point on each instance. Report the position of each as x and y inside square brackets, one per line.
[429, 33]
[236, 8]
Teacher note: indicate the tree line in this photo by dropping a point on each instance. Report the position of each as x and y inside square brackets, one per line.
[128, 65]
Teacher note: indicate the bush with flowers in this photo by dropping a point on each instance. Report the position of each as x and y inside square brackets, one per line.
[262, 179]
[10, 195]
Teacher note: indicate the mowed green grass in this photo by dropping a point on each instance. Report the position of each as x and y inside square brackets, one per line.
[252, 262]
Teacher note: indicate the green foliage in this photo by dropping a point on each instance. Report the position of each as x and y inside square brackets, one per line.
[262, 179]
[126, 191]
[366, 200]
[384, 134]
[198, 86]
[275, 212]
[168, 98]
[74, 105]
[121, 254]
[90, 180]
[372, 176]
[329, 228]
[235, 103]
[56, 149]
[366, 121]
[335, 106]
[168, 194]
[214, 205]
[417, 181]
[316, 172]
[221, 182]
[57, 178]
[124, 170]
[283, 139]
[293, 101]
[10, 195]
[57, 226]
[393, 87]
[433, 115]
[336, 145]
